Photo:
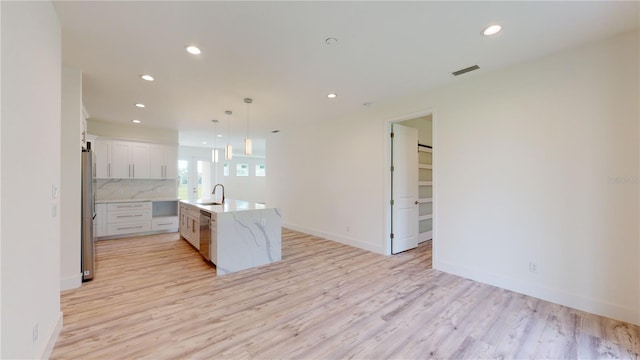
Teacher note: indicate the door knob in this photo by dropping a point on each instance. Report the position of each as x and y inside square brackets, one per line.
[417, 202]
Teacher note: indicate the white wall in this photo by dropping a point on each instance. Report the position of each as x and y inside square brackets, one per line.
[329, 180]
[544, 161]
[70, 186]
[133, 132]
[250, 188]
[535, 163]
[31, 80]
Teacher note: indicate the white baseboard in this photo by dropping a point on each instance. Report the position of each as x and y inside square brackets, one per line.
[556, 296]
[53, 337]
[337, 238]
[71, 282]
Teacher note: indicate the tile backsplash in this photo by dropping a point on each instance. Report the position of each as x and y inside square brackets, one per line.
[125, 189]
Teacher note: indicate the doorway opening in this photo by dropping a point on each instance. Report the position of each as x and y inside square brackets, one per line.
[410, 185]
[196, 178]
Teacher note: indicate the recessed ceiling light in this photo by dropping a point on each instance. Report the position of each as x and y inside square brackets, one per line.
[136, 121]
[204, 143]
[139, 105]
[219, 135]
[147, 77]
[332, 96]
[491, 30]
[193, 50]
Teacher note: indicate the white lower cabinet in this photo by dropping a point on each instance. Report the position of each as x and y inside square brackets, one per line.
[101, 220]
[127, 218]
[128, 228]
[164, 223]
[190, 224]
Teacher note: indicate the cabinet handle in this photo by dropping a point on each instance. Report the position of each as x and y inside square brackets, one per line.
[165, 224]
[134, 170]
[128, 216]
[109, 170]
[130, 227]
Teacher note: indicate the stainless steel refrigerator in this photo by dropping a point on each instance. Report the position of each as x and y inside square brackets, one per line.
[88, 214]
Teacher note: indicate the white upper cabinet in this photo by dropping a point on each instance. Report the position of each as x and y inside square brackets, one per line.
[119, 166]
[102, 150]
[139, 160]
[163, 162]
[122, 159]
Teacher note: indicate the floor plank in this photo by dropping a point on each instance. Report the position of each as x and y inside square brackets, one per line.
[153, 297]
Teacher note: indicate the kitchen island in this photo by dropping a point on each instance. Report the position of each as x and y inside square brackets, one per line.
[242, 234]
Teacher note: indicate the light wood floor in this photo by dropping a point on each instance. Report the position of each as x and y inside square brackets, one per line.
[153, 297]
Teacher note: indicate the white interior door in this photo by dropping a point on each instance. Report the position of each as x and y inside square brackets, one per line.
[404, 188]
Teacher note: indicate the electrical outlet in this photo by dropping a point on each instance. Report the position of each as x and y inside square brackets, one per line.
[35, 333]
[533, 267]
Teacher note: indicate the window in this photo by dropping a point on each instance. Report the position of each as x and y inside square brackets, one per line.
[242, 170]
[204, 178]
[260, 170]
[183, 178]
[226, 169]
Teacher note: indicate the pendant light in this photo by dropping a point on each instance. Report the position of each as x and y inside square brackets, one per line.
[228, 150]
[247, 141]
[214, 152]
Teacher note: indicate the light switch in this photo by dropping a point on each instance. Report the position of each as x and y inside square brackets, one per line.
[54, 192]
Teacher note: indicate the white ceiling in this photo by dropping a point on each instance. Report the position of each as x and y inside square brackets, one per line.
[275, 53]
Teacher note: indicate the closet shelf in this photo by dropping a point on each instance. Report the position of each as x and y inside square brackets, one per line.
[423, 149]
[425, 217]
[425, 166]
[425, 183]
[425, 200]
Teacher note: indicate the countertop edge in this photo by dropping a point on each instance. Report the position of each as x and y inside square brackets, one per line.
[230, 205]
[135, 200]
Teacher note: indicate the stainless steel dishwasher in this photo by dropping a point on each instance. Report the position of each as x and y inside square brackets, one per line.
[205, 234]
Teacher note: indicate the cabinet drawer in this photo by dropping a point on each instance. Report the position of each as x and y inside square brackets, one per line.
[128, 227]
[146, 205]
[164, 223]
[128, 216]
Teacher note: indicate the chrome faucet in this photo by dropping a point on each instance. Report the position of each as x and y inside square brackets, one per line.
[214, 191]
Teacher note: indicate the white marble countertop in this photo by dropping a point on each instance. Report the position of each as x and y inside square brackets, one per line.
[134, 200]
[230, 205]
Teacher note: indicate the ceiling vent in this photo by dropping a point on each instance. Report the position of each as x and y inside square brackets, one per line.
[465, 70]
